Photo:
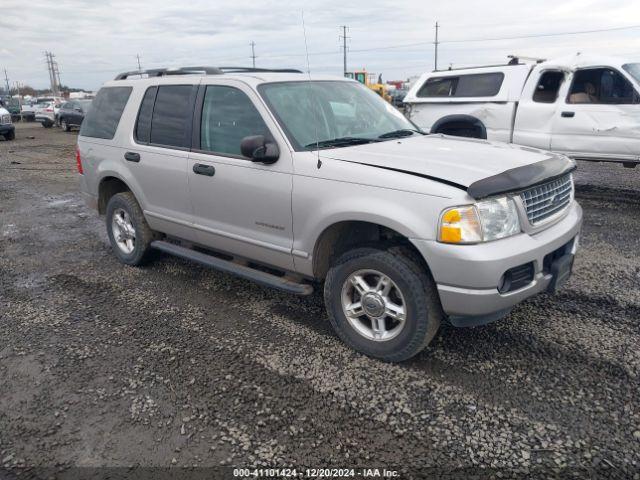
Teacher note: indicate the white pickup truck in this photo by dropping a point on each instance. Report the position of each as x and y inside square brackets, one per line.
[585, 107]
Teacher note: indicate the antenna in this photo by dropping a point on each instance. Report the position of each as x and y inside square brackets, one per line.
[315, 123]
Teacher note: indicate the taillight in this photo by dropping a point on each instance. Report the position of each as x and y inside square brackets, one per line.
[79, 161]
[49, 110]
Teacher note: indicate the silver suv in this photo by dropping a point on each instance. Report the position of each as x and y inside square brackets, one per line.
[295, 182]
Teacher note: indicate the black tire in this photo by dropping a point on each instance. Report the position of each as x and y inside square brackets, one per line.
[143, 234]
[65, 125]
[423, 310]
[10, 136]
[47, 124]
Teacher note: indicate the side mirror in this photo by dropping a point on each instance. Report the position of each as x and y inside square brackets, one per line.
[259, 149]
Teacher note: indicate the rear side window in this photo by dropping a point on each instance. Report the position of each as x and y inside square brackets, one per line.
[473, 85]
[548, 87]
[102, 121]
[172, 114]
[228, 116]
[143, 125]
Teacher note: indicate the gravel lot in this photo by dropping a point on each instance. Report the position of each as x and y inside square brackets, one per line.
[174, 365]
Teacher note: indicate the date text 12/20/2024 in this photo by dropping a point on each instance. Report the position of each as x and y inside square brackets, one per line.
[315, 473]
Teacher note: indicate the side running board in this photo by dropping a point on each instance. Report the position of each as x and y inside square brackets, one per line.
[227, 266]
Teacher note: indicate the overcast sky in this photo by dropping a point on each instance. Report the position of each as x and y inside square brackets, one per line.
[95, 39]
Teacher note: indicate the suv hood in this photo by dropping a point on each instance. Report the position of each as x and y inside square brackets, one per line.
[462, 162]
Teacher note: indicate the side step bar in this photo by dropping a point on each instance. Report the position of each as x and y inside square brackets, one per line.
[227, 266]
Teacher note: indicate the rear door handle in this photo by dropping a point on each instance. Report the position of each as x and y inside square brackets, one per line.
[568, 114]
[132, 157]
[200, 169]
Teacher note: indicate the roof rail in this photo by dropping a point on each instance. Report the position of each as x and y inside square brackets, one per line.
[253, 69]
[161, 72]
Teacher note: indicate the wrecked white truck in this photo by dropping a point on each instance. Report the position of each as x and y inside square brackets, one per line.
[584, 107]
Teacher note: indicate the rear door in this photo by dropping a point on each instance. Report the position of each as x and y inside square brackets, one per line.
[599, 116]
[158, 156]
[537, 109]
[239, 206]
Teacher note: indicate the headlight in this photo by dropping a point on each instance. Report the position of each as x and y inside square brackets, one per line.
[481, 222]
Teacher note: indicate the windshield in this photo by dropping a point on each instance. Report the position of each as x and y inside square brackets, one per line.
[333, 114]
[633, 69]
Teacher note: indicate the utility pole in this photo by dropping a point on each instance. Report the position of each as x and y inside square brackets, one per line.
[344, 48]
[6, 79]
[139, 67]
[253, 53]
[436, 45]
[54, 73]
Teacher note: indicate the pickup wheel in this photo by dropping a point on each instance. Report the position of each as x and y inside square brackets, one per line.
[65, 125]
[128, 231]
[10, 136]
[382, 303]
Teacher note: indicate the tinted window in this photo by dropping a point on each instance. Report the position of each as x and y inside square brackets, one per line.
[143, 125]
[172, 114]
[228, 116]
[474, 85]
[103, 120]
[601, 85]
[548, 87]
[438, 87]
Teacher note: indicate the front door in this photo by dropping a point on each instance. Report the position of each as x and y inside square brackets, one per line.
[537, 109]
[239, 206]
[599, 117]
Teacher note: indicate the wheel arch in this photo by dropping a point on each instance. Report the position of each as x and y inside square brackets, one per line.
[344, 235]
[461, 119]
[109, 186]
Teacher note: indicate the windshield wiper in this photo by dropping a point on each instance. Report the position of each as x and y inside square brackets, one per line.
[341, 142]
[403, 132]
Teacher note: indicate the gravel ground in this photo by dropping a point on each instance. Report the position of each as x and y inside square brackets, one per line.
[174, 365]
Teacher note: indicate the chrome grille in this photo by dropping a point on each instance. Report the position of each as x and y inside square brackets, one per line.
[546, 200]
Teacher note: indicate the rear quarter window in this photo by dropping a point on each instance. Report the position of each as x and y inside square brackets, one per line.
[103, 118]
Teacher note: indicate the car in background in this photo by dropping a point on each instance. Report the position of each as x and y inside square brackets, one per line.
[46, 110]
[7, 129]
[72, 113]
[13, 107]
[28, 110]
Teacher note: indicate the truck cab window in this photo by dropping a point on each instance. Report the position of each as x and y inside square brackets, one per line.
[548, 87]
[601, 86]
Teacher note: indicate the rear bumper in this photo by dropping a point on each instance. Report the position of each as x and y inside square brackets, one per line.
[468, 276]
[45, 118]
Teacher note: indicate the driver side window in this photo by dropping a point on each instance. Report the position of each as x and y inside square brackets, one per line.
[601, 86]
[228, 116]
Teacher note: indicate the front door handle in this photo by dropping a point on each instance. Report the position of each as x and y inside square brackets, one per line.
[132, 157]
[568, 114]
[200, 169]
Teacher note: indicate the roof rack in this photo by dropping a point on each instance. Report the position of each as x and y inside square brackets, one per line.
[253, 69]
[161, 72]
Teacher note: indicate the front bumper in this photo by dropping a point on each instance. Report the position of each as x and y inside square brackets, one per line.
[6, 128]
[467, 276]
